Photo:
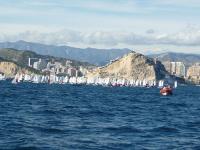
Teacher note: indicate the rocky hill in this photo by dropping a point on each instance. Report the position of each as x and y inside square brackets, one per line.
[10, 68]
[131, 66]
[91, 55]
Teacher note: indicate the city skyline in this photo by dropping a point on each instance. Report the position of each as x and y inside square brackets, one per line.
[149, 26]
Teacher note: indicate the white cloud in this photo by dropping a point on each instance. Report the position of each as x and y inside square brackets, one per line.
[193, 3]
[188, 37]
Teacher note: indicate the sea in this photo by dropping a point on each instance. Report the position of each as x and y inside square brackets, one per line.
[81, 117]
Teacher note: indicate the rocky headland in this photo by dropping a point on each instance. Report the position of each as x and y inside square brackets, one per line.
[10, 69]
[133, 66]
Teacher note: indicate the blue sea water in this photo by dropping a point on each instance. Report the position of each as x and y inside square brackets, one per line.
[54, 117]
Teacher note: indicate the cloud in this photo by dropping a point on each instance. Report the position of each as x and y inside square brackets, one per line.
[150, 31]
[191, 3]
[187, 37]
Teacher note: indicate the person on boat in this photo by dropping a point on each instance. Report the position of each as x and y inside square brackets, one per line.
[169, 86]
[166, 90]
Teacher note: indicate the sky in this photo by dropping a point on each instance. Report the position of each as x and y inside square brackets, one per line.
[147, 26]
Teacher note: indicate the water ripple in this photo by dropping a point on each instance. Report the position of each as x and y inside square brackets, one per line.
[41, 116]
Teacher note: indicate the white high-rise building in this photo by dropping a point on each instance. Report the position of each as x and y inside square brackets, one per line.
[178, 69]
[39, 65]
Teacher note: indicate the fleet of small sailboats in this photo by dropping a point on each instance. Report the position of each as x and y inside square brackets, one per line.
[54, 79]
[114, 82]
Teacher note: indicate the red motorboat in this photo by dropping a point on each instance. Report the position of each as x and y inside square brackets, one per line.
[166, 90]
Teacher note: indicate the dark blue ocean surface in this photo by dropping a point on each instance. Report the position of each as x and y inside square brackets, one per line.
[51, 117]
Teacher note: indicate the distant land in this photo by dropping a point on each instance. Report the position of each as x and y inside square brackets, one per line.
[187, 59]
[132, 66]
[13, 61]
[90, 55]
[99, 57]
[21, 57]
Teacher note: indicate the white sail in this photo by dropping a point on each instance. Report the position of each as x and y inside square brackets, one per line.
[123, 82]
[161, 83]
[144, 83]
[175, 84]
[52, 78]
[107, 82]
[2, 77]
[154, 83]
[21, 77]
[15, 80]
[27, 78]
[66, 79]
[81, 80]
[72, 80]
[37, 79]
[137, 83]
[114, 82]
[43, 79]
[90, 81]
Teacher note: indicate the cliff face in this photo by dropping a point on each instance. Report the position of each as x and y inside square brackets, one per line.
[131, 66]
[10, 69]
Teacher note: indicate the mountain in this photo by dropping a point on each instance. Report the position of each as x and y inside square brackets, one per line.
[91, 55]
[21, 57]
[131, 66]
[187, 59]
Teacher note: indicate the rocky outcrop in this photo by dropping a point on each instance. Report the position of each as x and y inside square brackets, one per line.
[131, 66]
[10, 69]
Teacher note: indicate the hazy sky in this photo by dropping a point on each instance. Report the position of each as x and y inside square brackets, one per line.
[145, 25]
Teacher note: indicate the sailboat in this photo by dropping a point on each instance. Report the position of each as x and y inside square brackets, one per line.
[27, 78]
[66, 80]
[137, 83]
[16, 79]
[144, 83]
[2, 77]
[160, 83]
[175, 84]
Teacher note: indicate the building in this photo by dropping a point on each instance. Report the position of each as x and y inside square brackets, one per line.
[83, 70]
[194, 71]
[72, 72]
[31, 61]
[58, 64]
[167, 65]
[40, 65]
[68, 63]
[177, 69]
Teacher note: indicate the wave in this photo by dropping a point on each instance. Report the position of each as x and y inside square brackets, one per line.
[123, 129]
[165, 129]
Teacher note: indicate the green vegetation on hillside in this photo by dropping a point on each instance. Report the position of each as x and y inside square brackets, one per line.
[21, 57]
